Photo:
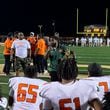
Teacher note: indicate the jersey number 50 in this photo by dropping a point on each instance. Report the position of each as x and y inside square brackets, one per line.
[21, 94]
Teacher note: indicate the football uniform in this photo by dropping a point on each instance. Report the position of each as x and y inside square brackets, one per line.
[102, 84]
[71, 96]
[25, 92]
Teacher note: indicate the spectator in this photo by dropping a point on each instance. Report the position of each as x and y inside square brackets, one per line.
[53, 56]
[70, 93]
[40, 51]
[24, 91]
[14, 38]
[22, 50]
[32, 41]
[7, 53]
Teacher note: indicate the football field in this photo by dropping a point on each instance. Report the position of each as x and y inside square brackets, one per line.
[84, 56]
[87, 55]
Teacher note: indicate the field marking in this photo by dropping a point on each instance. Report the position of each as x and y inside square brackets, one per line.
[87, 62]
[103, 57]
[103, 66]
[3, 83]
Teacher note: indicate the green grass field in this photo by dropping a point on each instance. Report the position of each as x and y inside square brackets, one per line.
[84, 56]
[87, 55]
[4, 86]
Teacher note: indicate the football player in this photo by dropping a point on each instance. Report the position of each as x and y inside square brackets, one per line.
[69, 94]
[98, 80]
[101, 81]
[24, 91]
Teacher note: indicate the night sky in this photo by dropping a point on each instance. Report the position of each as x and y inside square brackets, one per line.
[26, 15]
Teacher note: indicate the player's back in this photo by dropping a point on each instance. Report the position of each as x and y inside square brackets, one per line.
[71, 96]
[26, 93]
[102, 84]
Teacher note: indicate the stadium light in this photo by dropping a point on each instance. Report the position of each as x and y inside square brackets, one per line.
[77, 21]
[53, 24]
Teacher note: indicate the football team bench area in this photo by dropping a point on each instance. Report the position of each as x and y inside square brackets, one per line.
[84, 56]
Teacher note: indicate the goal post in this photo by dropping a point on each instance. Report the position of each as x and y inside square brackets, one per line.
[104, 31]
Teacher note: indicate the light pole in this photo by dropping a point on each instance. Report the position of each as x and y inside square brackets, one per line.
[40, 27]
[53, 24]
[106, 23]
[77, 21]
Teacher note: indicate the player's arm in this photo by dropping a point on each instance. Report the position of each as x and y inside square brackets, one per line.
[96, 104]
[46, 105]
[28, 49]
[10, 101]
[94, 100]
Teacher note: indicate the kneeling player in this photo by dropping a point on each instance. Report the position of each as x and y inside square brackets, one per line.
[24, 91]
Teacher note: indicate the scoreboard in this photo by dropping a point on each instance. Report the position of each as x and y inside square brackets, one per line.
[95, 30]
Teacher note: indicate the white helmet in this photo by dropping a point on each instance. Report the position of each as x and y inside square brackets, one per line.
[32, 33]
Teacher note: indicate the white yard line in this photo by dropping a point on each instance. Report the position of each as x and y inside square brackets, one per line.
[3, 83]
[103, 66]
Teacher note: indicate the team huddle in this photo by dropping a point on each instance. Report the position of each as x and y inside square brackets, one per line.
[64, 91]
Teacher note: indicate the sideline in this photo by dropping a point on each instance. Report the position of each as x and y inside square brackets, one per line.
[79, 65]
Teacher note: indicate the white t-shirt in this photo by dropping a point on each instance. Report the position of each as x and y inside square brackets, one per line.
[25, 92]
[21, 47]
[68, 96]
